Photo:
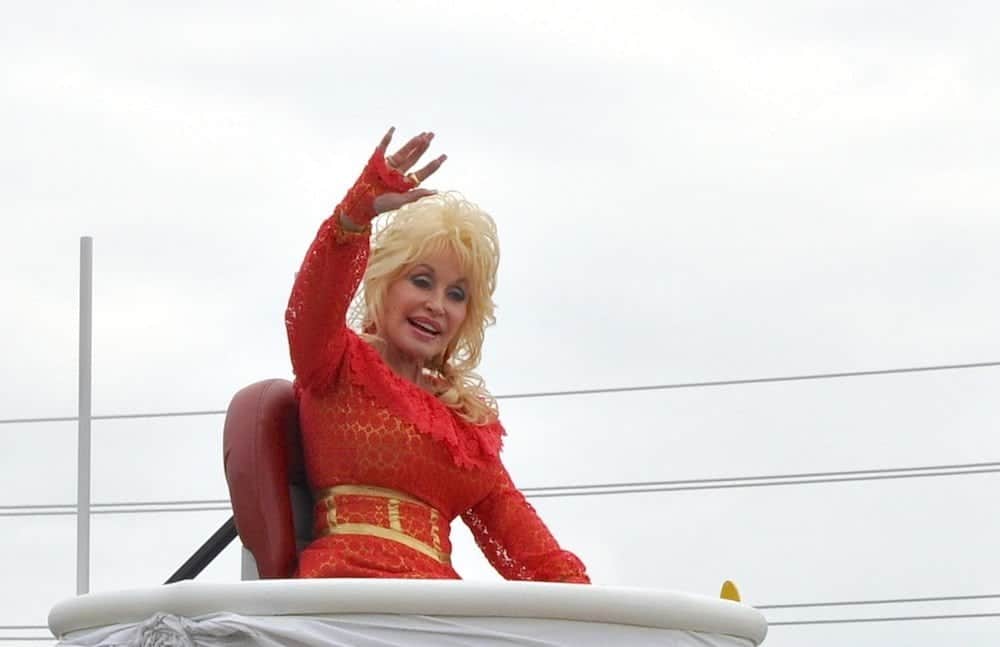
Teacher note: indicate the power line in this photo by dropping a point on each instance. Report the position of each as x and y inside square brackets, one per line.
[770, 477]
[758, 380]
[598, 391]
[947, 616]
[940, 598]
[215, 508]
[136, 510]
[50, 638]
[726, 486]
[556, 491]
[36, 507]
[121, 504]
[116, 416]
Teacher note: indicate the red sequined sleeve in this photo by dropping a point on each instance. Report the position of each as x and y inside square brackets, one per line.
[316, 317]
[517, 542]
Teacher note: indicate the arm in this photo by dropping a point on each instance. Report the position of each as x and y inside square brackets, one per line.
[331, 272]
[516, 541]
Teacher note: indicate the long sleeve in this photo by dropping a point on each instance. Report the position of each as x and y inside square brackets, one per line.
[516, 541]
[316, 318]
[331, 272]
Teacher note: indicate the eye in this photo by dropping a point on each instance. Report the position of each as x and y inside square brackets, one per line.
[456, 294]
[421, 281]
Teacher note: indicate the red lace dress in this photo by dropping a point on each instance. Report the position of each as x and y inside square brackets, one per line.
[390, 465]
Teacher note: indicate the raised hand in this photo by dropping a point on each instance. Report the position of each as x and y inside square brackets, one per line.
[403, 160]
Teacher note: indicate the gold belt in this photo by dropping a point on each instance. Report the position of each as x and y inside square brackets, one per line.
[327, 498]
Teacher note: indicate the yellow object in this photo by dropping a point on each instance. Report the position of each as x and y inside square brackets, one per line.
[729, 592]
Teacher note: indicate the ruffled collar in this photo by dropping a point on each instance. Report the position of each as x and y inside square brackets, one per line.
[471, 446]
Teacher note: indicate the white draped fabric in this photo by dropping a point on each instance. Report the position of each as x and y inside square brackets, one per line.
[387, 613]
[382, 630]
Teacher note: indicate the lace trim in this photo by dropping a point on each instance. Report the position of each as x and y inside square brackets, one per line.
[471, 446]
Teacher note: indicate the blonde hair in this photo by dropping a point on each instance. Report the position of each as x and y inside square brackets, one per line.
[444, 221]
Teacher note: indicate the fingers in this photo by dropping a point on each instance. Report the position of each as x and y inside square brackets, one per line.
[413, 195]
[405, 155]
[384, 144]
[403, 159]
[427, 171]
[416, 194]
[392, 201]
[408, 155]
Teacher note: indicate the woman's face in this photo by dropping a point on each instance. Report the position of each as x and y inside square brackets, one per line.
[424, 308]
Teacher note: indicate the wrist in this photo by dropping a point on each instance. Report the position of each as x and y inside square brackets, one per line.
[351, 227]
[357, 208]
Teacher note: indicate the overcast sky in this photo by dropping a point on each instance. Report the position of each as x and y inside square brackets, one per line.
[685, 191]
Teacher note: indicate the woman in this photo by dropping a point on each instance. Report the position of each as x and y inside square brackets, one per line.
[399, 435]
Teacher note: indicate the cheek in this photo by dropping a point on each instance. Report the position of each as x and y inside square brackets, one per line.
[397, 298]
[457, 313]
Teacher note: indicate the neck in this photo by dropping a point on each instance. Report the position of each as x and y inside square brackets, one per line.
[406, 367]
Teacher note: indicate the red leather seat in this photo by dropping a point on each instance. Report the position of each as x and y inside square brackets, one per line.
[262, 455]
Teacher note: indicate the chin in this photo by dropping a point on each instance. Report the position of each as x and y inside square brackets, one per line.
[415, 351]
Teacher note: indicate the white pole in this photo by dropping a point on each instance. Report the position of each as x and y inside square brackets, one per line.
[83, 404]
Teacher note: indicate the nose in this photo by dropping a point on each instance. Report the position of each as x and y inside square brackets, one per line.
[435, 303]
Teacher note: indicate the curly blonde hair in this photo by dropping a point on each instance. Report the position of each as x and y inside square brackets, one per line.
[444, 221]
